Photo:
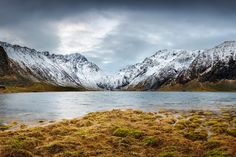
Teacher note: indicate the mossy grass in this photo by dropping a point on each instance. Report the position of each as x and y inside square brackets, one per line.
[123, 132]
[196, 135]
[126, 133]
[217, 153]
[232, 132]
[211, 144]
[152, 141]
[167, 154]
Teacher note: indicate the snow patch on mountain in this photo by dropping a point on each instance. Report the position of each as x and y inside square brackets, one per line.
[158, 67]
[65, 70]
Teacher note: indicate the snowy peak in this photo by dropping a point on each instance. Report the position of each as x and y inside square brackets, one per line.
[69, 57]
[227, 44]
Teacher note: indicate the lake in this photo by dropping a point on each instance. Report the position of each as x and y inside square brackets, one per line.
[29, 107]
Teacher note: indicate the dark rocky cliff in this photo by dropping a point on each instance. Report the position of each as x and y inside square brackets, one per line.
[4, 63]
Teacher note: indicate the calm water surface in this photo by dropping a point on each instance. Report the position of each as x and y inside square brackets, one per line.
[59, 105]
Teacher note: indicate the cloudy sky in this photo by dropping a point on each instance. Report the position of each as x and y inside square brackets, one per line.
[116, 33]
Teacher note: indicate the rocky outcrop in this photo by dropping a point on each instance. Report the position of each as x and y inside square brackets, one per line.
[4, 63]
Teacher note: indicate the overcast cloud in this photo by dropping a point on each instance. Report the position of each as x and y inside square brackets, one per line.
[113, 34]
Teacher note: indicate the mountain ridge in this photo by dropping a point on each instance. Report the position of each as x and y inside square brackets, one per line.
[165, 68]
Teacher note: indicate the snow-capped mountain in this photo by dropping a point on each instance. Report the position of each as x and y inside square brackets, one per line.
[160, 68]
[71, 70]
[164, 68]
[178, 66]
[213, 64]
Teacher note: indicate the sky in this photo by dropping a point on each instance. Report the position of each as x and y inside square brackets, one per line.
[116, 33]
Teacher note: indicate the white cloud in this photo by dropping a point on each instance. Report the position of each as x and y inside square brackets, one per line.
[113, 38]
[84, 35]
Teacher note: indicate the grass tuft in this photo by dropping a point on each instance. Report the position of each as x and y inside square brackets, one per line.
[124, 132]
[196, 135]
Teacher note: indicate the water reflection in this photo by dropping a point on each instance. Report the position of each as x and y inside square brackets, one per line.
[52, 106]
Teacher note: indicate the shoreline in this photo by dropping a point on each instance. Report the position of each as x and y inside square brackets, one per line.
[164, 91]
[167, 133]
[192, 86]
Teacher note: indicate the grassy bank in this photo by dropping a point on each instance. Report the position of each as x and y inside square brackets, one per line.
[37, 87]
[128, 133]
[220, 86]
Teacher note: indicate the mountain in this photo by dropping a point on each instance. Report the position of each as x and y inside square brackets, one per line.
[72, 70]
[154, 71]
[213, 64]
[210, 69]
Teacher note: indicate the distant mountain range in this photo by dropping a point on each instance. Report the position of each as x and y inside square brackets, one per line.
[198, 70]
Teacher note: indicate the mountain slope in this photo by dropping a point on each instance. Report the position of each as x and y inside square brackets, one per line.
[214, 69]
[154, 71]
[210, 69]
[72, 70]
[179, 67]
[213, 64]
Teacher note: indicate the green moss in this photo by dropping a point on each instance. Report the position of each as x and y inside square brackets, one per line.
[218, 126]
[196, 135]
[23, 142]
[167, 154]
[123, 132]
[81, 132]
[216, 153]
[208, 113]
[196, 119]
[194, 125]
[221, 124]
[231, 132]
[136, 133]
[218, 130]
[151, 141]
[17, 143]
[183, 124]
[212, 122]
[180, 126]
[234, 120]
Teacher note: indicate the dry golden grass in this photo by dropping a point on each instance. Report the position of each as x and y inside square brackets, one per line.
[223, 85]
[130, 133]
[37, 87]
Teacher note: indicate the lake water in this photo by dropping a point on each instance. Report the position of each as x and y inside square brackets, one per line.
[28, 107]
